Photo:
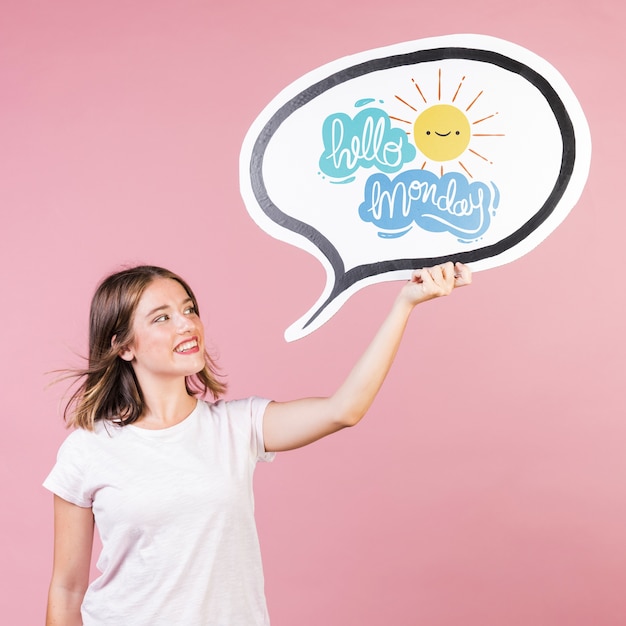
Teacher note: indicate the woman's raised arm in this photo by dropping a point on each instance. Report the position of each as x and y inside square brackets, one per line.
[289, 425]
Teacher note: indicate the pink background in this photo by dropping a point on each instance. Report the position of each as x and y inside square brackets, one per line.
[487, 486]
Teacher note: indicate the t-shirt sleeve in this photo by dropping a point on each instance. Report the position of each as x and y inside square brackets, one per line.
[68, 476]
[248, 414]
[258, 406]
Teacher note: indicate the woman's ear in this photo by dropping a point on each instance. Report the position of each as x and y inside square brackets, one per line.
[126, 353]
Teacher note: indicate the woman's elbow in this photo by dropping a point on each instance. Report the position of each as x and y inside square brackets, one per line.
[348, 419]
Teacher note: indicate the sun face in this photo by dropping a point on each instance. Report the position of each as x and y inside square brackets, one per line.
[442, 132]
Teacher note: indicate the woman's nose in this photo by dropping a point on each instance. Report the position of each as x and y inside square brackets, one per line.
[184, 324]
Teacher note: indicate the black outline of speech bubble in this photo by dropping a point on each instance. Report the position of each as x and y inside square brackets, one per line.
[343, 279]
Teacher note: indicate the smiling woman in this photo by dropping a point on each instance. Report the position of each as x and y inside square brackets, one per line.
[165, 474]
[168, 341]
[110, 389]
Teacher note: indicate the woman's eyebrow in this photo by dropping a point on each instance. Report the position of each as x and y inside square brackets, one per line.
[164, 307]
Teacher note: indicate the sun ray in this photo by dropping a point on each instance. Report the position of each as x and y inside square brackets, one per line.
[405, 102]
[458, 89]
[419, 90]
[439, 88]
[484, 158]
[488, 135]
[473, 102]
[399, 119]
[486, 118]
[466, 170]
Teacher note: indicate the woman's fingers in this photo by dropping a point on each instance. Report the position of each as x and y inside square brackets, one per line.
[436, 281]
[462, 275]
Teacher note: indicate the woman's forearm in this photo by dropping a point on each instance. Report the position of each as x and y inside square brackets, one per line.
[64, 606]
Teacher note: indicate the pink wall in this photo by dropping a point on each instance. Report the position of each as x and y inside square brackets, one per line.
[487, 486]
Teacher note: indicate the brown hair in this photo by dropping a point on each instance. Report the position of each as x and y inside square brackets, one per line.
[109, 389]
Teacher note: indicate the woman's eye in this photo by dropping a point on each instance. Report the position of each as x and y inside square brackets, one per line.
[190, 310]
[161, 318]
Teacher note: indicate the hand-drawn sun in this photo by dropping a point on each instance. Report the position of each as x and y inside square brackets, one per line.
[443, 132]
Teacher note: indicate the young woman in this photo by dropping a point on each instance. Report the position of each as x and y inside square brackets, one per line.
[166, 475]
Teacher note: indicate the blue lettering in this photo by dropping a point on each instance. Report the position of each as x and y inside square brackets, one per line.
[367, 140]
[447, 204]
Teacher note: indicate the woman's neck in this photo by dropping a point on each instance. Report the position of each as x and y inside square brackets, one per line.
[165, 405]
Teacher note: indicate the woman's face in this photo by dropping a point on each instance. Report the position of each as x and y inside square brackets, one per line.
[168, 336]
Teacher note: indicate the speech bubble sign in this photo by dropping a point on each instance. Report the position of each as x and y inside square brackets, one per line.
[459, 148]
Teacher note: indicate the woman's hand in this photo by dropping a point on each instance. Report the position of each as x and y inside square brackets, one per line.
[434, 282]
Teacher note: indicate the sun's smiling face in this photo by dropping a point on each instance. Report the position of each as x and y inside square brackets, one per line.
[442, 132]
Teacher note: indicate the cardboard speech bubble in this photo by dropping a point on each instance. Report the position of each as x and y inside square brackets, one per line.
[463, 147]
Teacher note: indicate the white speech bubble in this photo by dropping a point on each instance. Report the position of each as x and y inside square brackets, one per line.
[464, 147]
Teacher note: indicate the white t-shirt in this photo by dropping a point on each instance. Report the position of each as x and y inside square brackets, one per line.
[175, 513]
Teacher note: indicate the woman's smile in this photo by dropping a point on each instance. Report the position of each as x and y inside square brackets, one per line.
[188, 347]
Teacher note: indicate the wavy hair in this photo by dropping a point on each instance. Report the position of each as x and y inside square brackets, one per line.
[108, 388]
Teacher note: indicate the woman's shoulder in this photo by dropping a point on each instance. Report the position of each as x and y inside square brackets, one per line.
[249, 405]
[103, 429]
